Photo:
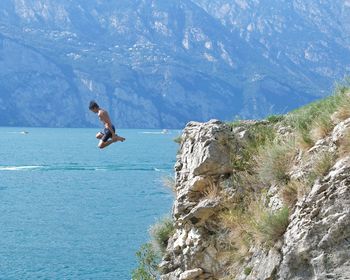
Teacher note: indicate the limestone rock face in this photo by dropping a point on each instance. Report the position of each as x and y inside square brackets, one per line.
[204, 156]
[203, 162]
[316, 244]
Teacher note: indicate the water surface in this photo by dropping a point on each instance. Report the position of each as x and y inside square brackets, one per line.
[72, 211]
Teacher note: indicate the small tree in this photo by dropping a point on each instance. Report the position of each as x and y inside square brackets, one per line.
[148, 263]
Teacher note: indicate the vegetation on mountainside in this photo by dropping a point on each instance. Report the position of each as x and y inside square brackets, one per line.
[291, 192]
[265, 160]
[150, 254]
[148, 261]
[274, 161]
[178, 139]
[317, 119]
[323, 163]
[161, 232]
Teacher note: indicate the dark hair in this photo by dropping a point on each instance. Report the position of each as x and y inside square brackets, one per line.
[93, 105]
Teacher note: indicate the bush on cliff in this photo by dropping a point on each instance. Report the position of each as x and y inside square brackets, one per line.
[148, 263]
[274, 162]
[322, 165]
[161, 232]
[149, 255]
[259, 134]
[269, 226]
[254, 224]
[291, 192]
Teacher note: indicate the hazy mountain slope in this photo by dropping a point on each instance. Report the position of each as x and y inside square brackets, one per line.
[311, 37]
[151, 63]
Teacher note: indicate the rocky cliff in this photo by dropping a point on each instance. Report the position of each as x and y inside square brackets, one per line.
[264, 200]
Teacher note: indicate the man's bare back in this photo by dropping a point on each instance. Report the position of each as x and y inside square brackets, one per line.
[108, 135]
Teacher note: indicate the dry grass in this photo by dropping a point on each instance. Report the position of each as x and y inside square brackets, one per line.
[267, 227]
[304, 140]
[321, 127]
[212, 190]
[274, 162]
[246, 181]
[169, 182]
[314, 121]
[293, 191]
[289, 194]
[343, 112]
[344, 144]
[259, 134]
[253, 224]
[323, 164]
[235, 220]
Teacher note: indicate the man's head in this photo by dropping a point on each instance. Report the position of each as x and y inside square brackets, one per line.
[94, 106]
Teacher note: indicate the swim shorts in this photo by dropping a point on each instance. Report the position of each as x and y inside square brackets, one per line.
[107, 134]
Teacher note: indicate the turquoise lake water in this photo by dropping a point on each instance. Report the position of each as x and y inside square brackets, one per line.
[71, 211]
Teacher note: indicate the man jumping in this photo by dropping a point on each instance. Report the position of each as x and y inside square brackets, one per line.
[109, 129]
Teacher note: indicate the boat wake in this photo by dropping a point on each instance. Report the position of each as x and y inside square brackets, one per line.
[78, 167]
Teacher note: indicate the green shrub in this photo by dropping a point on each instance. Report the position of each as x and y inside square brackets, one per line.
[148, 263]
[343, 86]
[178, 139]
[270, 226]
[247, 270]
[301, 124]
[259, 135]
[149, 254]
[275, 118]
[321, 127]
[235, 124]
[161, 232]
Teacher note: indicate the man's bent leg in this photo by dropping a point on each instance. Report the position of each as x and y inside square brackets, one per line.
[102, 144]
[99, 135]
[117, 138]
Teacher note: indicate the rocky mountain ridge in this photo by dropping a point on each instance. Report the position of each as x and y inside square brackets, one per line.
[161, 64]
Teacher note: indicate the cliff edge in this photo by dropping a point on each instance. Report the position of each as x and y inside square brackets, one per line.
[264, 199]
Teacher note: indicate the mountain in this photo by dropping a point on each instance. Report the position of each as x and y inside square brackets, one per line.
[156, 63]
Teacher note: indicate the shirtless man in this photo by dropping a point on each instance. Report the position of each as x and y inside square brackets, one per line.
[109, 129]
